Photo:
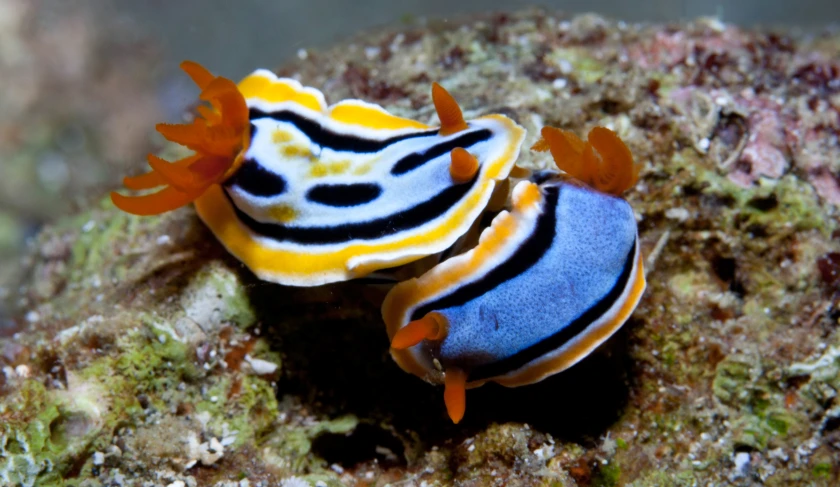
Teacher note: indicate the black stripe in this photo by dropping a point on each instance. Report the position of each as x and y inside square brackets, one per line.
[369, 230]
[415, 160]
[255, 179]
[557, 340]
[344, 195]
[329, 139]
[351, 143]
[532, 249]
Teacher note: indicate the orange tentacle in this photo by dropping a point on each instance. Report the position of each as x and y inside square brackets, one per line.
[191, 135]
[178, 177]
[167, 199]
[455, 393]
[540, 145]
[218, 139]
[603, 161]
[199, 74]
[153, 179]
[212, 115]
[148, 180]
[566, 149]
[230, 102]
[210, 169]
[619, 172]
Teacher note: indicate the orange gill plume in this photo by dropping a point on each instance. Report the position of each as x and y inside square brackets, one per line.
[219, 136]
[603, 161]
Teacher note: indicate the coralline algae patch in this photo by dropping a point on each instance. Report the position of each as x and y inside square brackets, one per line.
[143, 354]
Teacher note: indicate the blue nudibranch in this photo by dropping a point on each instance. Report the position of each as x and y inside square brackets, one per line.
[305, 194]
[547, 283]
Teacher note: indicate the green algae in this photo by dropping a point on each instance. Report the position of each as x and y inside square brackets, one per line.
[289, 446]
[154, 360]
[215, 295]
[732, 377]
[94, 244]
[660, 478]
[742, 382]
[246, 415]
[607, 475]
[751, 432]
[779, 207]
[822, 470]
[42, 434]
[580, 63]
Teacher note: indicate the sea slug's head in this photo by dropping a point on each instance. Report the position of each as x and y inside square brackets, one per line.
[219, 136]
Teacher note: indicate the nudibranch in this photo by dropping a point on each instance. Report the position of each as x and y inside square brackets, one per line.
[306, 193]
[549, 280]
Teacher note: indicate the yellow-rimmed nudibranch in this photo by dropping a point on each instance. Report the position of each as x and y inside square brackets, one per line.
[306, 194]
[548, 282]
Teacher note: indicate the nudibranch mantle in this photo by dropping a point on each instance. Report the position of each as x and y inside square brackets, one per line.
[548, 282]
[329, 193]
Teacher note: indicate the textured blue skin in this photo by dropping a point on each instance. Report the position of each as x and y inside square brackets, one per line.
[594, 234]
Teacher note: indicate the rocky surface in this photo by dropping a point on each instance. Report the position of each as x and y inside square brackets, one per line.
[140, 353]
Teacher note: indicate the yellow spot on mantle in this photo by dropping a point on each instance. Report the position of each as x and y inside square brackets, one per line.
[282, 213]
[291, 151]
[281, 136]
[365, 168]
[323, 169]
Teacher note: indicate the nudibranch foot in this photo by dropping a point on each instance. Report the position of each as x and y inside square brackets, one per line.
[603, 161]
[551, 279]
[455, 393]
[218, 137]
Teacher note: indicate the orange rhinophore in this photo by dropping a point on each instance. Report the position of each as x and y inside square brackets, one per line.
[219, 136]
[603, 161]
[450, 115]
[463, 165]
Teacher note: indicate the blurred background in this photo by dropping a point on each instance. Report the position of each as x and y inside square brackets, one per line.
[84, 81]
[236, 36]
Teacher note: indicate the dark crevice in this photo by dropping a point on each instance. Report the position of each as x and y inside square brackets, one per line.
[726, 269]
[365, 443]
[764, 203]
[336, 362]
